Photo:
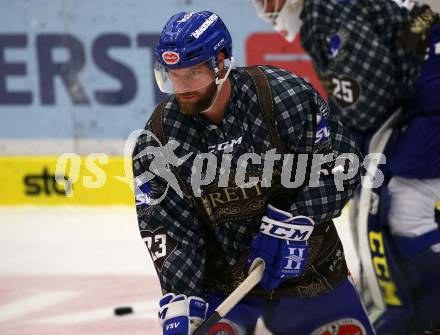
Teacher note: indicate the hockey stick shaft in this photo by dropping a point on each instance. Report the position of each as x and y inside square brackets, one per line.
[234, 298]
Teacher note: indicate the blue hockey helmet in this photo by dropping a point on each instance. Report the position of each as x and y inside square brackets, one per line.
[188, 39]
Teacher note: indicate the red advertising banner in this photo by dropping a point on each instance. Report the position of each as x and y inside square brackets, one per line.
[265, 48]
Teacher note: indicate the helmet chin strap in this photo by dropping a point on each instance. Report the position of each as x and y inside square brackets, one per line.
[219, 82]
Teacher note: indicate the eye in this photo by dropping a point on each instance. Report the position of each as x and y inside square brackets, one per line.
[195, 72]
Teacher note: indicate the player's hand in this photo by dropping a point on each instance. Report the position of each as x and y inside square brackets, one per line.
[181, 315]
[282, 243]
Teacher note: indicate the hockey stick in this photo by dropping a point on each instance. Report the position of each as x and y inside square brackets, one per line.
[239, 293]
[377, 145]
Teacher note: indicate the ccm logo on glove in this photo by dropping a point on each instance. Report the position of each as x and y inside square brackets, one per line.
[298, 229]
[283, 245]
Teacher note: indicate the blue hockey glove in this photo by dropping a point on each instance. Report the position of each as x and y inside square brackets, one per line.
[282, 244]
[179, 315]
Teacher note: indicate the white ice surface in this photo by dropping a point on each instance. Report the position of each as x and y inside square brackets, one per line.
[85, 241]
[71, 240]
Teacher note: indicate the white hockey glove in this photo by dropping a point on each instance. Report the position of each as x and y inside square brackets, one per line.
[181, 315]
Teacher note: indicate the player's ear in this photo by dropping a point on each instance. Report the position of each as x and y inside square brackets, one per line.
[221, 64]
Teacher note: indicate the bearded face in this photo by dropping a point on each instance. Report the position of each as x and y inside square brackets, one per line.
[195, 88]
[194, 102]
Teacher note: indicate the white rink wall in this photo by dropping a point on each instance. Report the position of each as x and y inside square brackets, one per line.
[107, 48]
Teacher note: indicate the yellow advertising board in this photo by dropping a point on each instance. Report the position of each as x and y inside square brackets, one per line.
[66, 180]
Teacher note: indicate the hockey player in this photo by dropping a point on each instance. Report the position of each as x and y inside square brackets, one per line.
[207, 208]
[376, 57]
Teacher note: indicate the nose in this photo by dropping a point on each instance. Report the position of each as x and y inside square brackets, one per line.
[183, 85]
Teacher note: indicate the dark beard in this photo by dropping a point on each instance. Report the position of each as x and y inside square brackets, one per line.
[194, 108]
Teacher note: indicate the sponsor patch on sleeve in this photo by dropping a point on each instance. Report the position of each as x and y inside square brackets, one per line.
[323, 142]
[142, 195]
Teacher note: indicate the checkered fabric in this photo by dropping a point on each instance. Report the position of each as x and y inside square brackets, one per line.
[297, 104]
[369, 57]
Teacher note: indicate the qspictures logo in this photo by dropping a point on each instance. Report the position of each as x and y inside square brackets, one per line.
[206, 168]
[161, 160]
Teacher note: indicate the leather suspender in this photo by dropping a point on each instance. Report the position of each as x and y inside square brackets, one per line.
[266, 103]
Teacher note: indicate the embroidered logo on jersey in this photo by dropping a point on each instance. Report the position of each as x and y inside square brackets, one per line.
[345, 90]
[337, 262]
[170, 57]
[159, 244]
[335, 43]
[225, 146]
[142, 195]
[322, 132]
[342, 327]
